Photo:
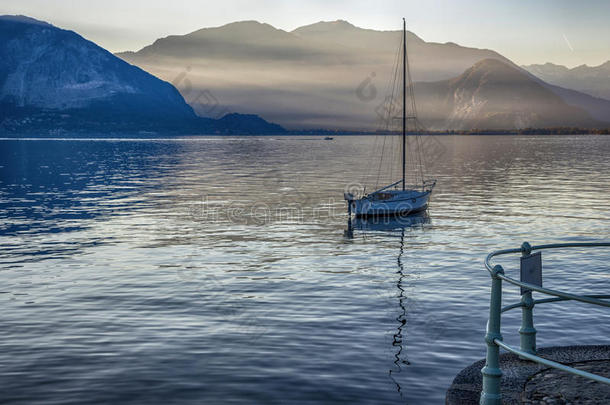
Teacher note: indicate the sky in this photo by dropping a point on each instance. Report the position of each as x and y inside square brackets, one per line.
[565, 32]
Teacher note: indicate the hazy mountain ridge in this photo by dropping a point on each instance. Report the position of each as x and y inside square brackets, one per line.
[52, 78]
[334, 75]
[592, 80]
[242, 40]
[370, 44]
[324, 75]
[495, 95]
[46, 67]
[317, 44]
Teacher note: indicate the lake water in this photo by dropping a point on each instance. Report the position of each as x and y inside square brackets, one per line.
[221, 270]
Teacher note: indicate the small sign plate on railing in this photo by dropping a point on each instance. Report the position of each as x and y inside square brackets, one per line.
[531, 270]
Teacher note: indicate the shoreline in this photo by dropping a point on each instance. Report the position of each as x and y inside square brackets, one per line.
[313, 137]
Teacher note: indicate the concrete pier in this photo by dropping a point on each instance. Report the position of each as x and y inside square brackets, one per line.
[526, 382]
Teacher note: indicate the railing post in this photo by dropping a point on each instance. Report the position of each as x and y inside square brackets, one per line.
[527, 331]
[490, 393]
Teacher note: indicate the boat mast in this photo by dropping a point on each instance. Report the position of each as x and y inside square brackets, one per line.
[404, 101]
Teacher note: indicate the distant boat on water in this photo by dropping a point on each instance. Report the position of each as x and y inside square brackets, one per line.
[397, 198]
[328, 138]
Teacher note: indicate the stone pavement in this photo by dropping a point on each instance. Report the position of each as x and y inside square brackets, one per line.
[526, 382]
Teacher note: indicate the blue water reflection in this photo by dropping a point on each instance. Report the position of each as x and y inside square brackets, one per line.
[223, 270]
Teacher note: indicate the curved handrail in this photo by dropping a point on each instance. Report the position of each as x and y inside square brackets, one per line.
[545, 300]
[541, 247]
[491, 393]
[548, 291]
[556, 293]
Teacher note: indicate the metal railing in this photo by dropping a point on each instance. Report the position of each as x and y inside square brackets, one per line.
[490, 393]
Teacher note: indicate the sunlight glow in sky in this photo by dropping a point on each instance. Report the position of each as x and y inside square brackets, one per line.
[559, 31]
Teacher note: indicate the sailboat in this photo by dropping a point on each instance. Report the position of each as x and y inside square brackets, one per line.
[397, 198]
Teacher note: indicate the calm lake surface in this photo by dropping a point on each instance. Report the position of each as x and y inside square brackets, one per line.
[221, 270]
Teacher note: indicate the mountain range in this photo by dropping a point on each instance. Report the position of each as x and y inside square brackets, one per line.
[593, 80]
[322, 44]
[335, 75]
[330, 75]
[494, 95]
[54, 79]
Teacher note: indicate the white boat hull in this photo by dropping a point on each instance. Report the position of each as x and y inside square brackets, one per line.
[394, 202]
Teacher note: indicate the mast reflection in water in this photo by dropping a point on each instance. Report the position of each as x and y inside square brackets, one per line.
[393, 225]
